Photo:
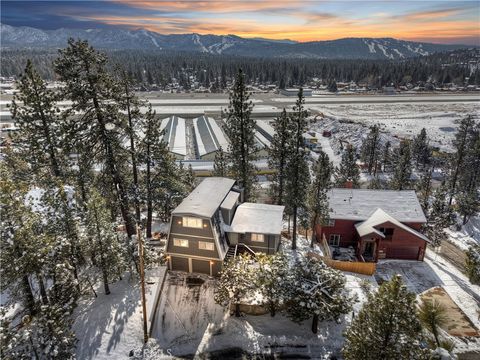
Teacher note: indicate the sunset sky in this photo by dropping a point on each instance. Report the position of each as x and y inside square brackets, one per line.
[430, 21]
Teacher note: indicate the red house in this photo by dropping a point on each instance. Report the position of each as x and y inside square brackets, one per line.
[378, 224]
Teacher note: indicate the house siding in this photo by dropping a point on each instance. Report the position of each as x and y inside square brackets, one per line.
[268, 246]
[403, 245]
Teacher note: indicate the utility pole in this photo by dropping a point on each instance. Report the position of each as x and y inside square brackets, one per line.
[142, 283]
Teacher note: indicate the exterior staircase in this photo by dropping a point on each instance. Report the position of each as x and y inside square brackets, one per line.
[234, 250]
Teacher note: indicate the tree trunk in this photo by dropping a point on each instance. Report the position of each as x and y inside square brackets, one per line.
[43, 292]
[272, 310]
[237, 310]
[105, 282]
[315, 324]
[435, 335]
[149, 196]
[294, 230]
[29, 299]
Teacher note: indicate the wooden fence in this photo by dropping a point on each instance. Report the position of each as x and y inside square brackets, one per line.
[365, 268]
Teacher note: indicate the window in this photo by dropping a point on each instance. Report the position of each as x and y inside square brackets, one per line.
[203, 245]
[331, 222]
[334, 240]
[257, 237]
[192, 222]
[388, 232]
[180, 242]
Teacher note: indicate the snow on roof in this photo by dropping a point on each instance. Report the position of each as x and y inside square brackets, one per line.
[257, 218]
[208, 135]
[359, 204]
[380, 217]
[265, 129]
[175, 134]
[230, 200]
[261, 140]
[206, 198]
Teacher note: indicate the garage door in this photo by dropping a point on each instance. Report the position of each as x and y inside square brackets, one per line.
[201, 266]
[179, 264]
[407, 253]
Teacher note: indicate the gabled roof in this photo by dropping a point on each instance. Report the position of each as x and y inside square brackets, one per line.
[359, 204]
[174, 134]
[206, 198]
[257, 218]
[380, 217]
[208, 135]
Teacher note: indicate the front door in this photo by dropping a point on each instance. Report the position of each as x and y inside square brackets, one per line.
[369, 250]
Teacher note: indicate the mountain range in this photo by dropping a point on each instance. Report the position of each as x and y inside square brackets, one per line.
[116, 38]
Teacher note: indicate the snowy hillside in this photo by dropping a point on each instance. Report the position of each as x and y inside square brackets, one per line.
[115, 38]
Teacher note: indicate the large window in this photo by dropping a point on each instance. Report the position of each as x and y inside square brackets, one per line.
[203, 245]
[180, 242]
[192, 222]
[257, 237]
[334, 240]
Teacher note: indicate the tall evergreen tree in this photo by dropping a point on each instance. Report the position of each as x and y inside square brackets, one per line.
[468, 198]
[424, 189]
[318, 199]
[371, 150]
[298, 173]
[387, 156]
[402, 167]
[439, 217]
[457, 160]
[220, 164]
[93, 92]
[105, 247]
[421, 151]
[240, 129]
[387, 326]
[278, 153]
[348, 171]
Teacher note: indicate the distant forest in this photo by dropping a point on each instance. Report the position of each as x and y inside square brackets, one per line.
[216, 72]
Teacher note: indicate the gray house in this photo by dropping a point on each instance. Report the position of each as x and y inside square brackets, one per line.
[211, 224]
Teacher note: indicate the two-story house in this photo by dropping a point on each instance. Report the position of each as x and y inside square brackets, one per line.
[212, 223]
[378, 224]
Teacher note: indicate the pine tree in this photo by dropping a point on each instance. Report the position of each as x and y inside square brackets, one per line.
[22, 244]
[278, 153]
[318, 198]
[235, 282]
[457, 160]
[105, 247]
[152, 153]
[424, 189]
[317, 291]
[130, 103]
[421, 151]
[93, 92]
[348, 171]
[439, 217]
[240, 129]
[468, 198]
[402, 167]
[220, 164]
[269, 279]
[432, 315]
[371, 150]
[297, 171]
[386, 157]
[387, 326]
[472, 264]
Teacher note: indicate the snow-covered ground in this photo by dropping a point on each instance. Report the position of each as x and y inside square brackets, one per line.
[403, 120]
[468, 235]
[110, 326]
[436, 271]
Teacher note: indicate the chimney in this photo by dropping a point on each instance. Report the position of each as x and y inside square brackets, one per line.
[348, 184]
